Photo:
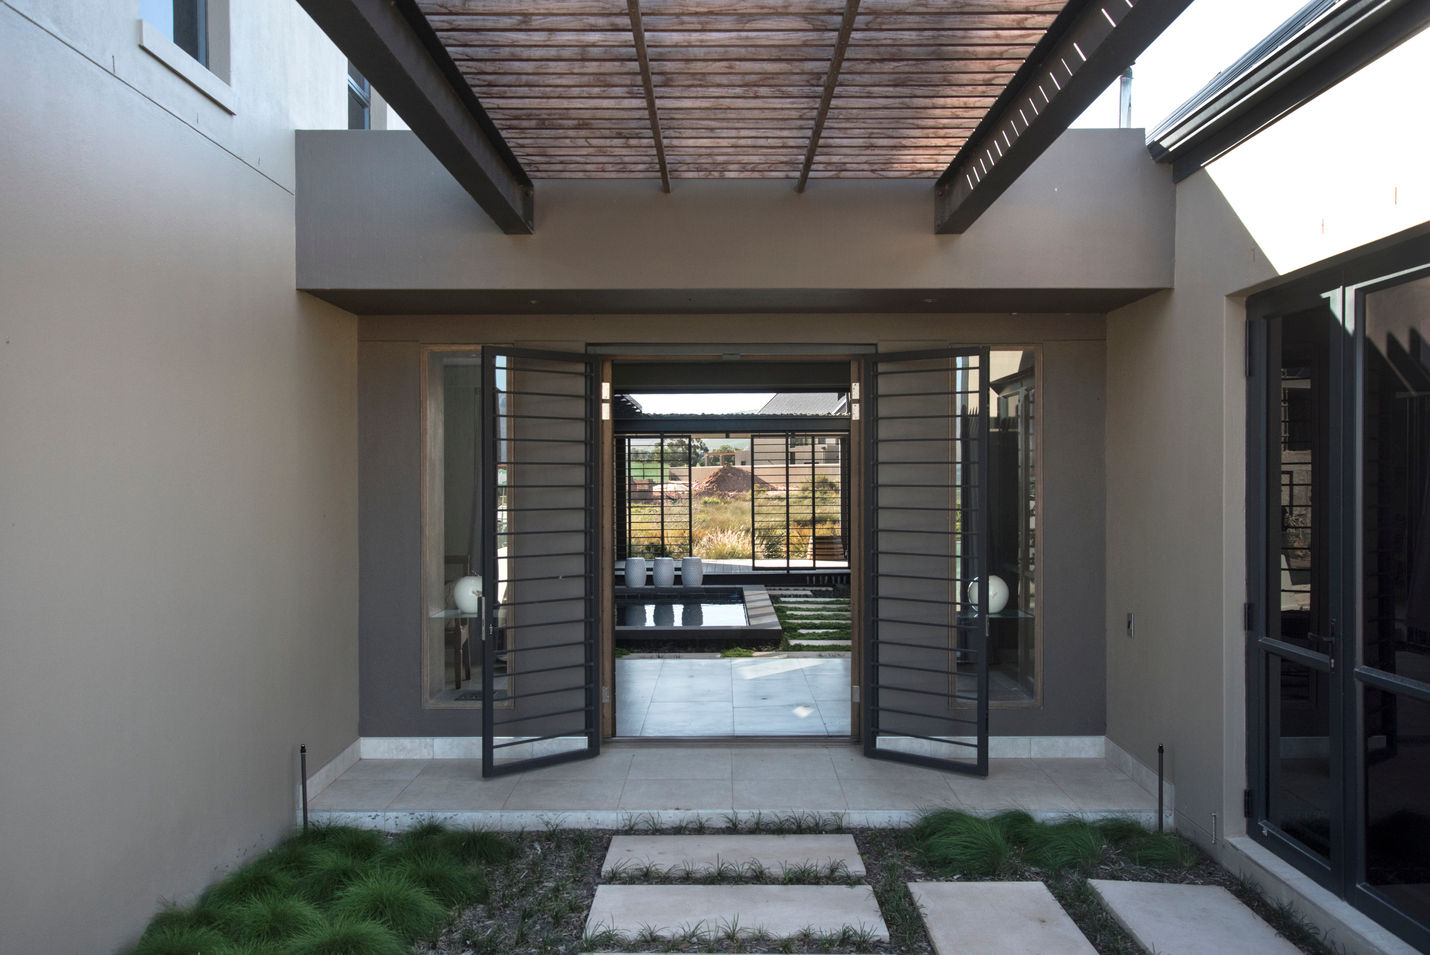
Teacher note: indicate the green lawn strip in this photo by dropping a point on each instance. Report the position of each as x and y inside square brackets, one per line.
[335, 890]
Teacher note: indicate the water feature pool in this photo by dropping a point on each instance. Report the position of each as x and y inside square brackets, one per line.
[698, 615]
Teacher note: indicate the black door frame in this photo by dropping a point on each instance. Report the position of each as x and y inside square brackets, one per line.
[974, 625]
[587, 628]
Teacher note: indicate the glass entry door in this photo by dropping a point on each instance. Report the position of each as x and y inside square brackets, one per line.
[539, 649]
[1339, 651]
[926, 669]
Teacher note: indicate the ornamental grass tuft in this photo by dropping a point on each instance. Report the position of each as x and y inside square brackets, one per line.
[955, 843]
[394, 900]
[269, 918]
[343, 936]
[444, 876]
[174, 938]
[1073, 844]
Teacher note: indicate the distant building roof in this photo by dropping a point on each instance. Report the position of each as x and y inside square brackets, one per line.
[801, 402]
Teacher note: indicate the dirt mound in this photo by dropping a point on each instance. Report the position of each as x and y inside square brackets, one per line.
[729, 481]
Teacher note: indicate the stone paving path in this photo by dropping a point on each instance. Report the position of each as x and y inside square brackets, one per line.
[1188, 919]
[967, 918]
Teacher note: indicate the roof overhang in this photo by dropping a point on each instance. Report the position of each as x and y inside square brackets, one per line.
[1322, 44]
[502, 91]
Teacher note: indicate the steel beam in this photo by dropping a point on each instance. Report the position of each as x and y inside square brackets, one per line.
[648, 82]
[394, 47]
[1086, 49]
[831, 81]
[1327, 45]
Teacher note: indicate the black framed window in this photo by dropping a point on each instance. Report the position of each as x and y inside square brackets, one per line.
[1339, 558]
[183, 21]
[359, 100]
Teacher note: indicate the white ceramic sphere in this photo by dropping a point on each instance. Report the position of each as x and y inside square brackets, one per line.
[997, 593]
[467, 594]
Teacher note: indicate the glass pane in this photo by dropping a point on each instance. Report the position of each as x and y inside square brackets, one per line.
[1396, 522]
[1300, 449]
[734, 499]
[1012, 496]
[1397, 784]
[1299, 755]
[453, 524]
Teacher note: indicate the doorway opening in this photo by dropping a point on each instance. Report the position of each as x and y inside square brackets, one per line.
[732, 529]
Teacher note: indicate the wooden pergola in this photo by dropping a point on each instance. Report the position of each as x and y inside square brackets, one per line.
[965, 92]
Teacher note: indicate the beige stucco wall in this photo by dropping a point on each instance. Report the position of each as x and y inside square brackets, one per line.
[1175, 513]
[378, 212]
[177, 472]
[1176, 423]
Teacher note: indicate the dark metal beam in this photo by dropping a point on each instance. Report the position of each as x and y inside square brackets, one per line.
[730, 424]
[1309, 54]
[638, 32]
[392, 45]
[1086, 49]
[831, 81]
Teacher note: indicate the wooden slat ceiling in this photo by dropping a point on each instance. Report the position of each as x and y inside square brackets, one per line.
[738, 84]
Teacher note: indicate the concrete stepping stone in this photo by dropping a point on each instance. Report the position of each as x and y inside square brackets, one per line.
[695, 853]
[1170, 919]
[670, 911]
[800, 641]
[993, 918]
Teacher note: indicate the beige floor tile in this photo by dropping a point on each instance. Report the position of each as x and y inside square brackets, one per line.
[797, 719]
[993, 794]
[451, 769]
[610, 764]
[1108, 795]
[778, 795]
[557, 794]
[358, 794]
[440, 794]
[655, 794]
[674, 763]
[904, 794]
[688, 719]
[385, 769]
[791, 763]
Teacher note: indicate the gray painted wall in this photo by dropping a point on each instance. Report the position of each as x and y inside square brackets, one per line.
[1176, 526]
[391, 485]
[377, 212]
[178, 497]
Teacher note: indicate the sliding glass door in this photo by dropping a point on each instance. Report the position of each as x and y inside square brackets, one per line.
[1339, 650]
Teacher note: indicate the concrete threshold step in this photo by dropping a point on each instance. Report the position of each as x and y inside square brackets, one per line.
[1173, 919]
[672, 911]
[829, 855]
[799, 641]
[992, 918]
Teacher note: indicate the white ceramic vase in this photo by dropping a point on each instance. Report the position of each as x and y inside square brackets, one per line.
[692, 571]
[635, 571]
[997, 593]
[664, 573]
[467, 594]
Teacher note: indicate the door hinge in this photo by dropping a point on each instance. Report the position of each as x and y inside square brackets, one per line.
[1246, 803]
[854, 693]
[605, 694]
[1248, 617]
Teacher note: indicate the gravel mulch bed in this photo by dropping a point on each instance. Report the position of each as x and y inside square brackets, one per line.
[540, 900]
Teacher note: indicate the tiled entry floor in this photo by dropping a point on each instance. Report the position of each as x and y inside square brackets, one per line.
[753, 696]
[674, 783]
